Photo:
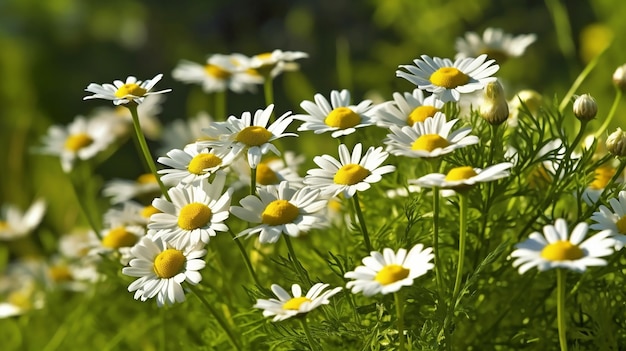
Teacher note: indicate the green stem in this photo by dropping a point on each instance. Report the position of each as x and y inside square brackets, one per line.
[462, 235]
[218, 317]
[268, 90]
[562, 27]
[609, 118]
[246, 259]
[560, 291]
[79, 178]
[359, 214]
[307, 332]
[220, 105]
[252, 181]
[579, 80]
[143, 145]
[438, 267]
[400, 316]
[294, 259]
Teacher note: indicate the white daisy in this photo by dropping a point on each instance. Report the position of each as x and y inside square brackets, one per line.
[287, 306]
[15, 223]
[182, 132]
[162, 268]
[118, 239]
[431, 138]
[121, 190]
[249, 133]
[274, 63]
[195, 214]
[132, 90]
[407, 109]
[497, 44]
[556, 248]
[464, 176]
[129, 213]
[613, 219]
[194, 163]
[388, 272]
[281, 209]
[82, 139]
[339, 116]
[220, 73]
[349, 174]
[270, 171]
[447, 79]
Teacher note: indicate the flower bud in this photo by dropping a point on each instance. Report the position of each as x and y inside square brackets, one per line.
[585, 107]
[494, 108]
[619, 77]
[616, 143]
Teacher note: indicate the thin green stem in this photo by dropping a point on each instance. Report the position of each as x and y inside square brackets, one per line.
[579, 80]
[218, 317]
[294, 260]
[560, 295]
[252, 181]
[359, 214]
[268, 90]
[462, 235]
[219, 100]
[609, 118]
[246, 259]
[438, 267]
[78, 178]
[400, 315]
[562, 27]
[145, 151]
[307, 332]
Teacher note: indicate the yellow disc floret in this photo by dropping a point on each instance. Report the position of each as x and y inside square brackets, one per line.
[449, 78]
[602, 176]
[391, 273]
[130, 90]
[460, 173]
[621, 225]
[77, 141]
[351, 174]
[169, 263]
[429, 142]
[342, 118]
[279, 212]
[561, 250]
[265, 175]
[200, 162]
[146, 178]
[420, 113]
[148, 211]
[254, 136]
[295, 303]
[194, 215]
[217, 72]
[119, 237]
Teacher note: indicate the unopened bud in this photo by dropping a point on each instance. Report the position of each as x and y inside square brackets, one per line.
[616, 143]
[619, 77]
[585, 107]
[494, 108]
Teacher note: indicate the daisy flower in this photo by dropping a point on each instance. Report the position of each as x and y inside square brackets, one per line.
[349, 174]
[287, 306]
[556, 248]
[122, 190]
[118, 238]
[195, 214]
[388, 272]
[183, 132]
[281, 209]
[194, 163]
[274, 63]
[407, 109]
[82, 139]
[613, 219]
[602, 176]
[132, 90]
[447, 79]
[270, 171]
[464, 176]
[129, 213]
[220, 73]
[431, 138]
[497, 44]
[162, 268]
[249, 133]
[14, 223]
[339, 116]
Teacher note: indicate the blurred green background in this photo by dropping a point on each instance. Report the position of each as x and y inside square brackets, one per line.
[51, 50]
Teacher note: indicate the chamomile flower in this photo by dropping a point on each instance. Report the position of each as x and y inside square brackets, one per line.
[131, 90]
[613, 219]
[497, 44]
[121, 190]
[270, 171]
[15, 223]
[249, 134]
[602, 176]
[287, 306]
[337, 116]
[119, 238]
[183, 132]
[388, 272]
[271, 64]
[194, 163]
[431, 138]
[195, 214]
[220, 73]
[407, 109]
[349, 174]
[281, 209]
[447, 79]
[82, 139]
[129, 213]
[162, 268]
[464, 176]
[557, 248]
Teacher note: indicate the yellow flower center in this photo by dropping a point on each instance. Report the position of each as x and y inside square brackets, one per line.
[217, 72]
[561, 250]
[602, 176]
[194, 215]
[265, 175]
[279, 212]
[4, 225]
[130, 89]
[460, 173]
[119, 237]
[264, 56]
[60, 273]
[295, 302]
[200, 162]
[169, 263]
[621, 225]
[449, 78]
[148, 211]
[146, 178]
[254, 136]
[342, 118]
[20, 299]
[420, 113]
[350, 174]
[429, 142]
[78, 141]
[391, 273]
